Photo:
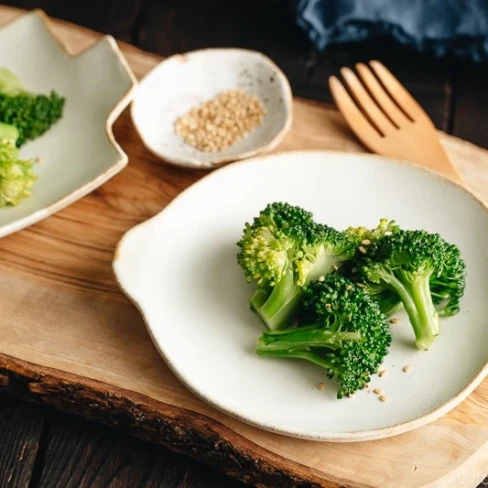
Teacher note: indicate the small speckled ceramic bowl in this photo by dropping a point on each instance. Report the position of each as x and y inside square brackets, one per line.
[183, 82]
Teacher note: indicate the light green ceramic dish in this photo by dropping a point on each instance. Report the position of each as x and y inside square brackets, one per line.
[79, 153]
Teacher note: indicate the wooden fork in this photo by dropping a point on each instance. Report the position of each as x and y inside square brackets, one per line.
[387, 119]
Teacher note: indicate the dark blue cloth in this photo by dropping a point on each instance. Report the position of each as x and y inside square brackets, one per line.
[442, 27]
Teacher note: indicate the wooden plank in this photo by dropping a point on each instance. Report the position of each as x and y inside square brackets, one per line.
[115, 375]
[79, 454]
[115, 18]
[182, 430]
[470, 105]
[20, 434]
[112, 343]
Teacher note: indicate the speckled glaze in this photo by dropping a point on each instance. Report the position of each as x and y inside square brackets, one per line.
[202, 290]
[183, 82]
[79, 152]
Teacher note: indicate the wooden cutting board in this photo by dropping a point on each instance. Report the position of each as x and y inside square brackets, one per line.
[70, 339]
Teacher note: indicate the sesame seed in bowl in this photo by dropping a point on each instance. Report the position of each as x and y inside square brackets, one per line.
[212, 106]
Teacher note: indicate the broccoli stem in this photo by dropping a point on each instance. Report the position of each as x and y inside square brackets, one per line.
[307, 355]
[304, 337]
[277, 310]
[418, 303]
[296, 354]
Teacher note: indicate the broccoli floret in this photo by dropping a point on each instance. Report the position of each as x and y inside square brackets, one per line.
[343, 331]
[16, 176]
[406, 263]
[32, 114]
[366, 236]
[388, 301]
[282, 251]
[447, 288]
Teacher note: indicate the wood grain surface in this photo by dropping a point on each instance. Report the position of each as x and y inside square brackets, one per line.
[70, 339]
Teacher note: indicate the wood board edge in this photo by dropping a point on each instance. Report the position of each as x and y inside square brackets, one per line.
[178, 429]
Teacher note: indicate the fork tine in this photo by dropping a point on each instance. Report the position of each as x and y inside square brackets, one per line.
[384, 100]
[398, 92]
[366, 102]
[356, 120]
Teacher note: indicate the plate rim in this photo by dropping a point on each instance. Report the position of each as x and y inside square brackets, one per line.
[337, 437]
[118, 166]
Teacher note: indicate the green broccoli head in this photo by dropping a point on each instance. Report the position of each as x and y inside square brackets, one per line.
[282, 250]
[405, 263]
[32, 114]
[365, 236]
[282, 216]
[388, 301]
[447, 287]
[16, 176]
[269, 243]
[343, 331]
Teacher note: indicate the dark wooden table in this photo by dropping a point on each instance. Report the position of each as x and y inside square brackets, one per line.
[43, 448]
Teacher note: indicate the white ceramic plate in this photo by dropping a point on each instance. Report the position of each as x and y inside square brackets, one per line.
[180, 269]
[182, 82]
[79, 151]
